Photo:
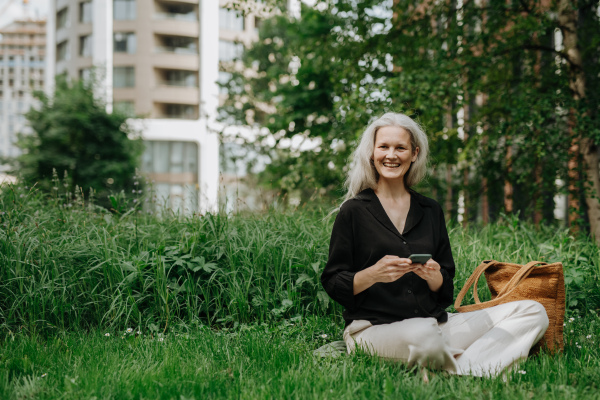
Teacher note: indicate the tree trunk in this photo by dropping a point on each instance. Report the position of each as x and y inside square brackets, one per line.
[567, 17]
[508, 187]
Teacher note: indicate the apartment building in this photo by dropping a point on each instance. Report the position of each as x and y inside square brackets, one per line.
[156, 59]
[22, 65]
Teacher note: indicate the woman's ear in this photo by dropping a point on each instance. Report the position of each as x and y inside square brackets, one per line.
[415, 154]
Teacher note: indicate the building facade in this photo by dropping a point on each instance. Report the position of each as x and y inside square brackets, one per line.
[22, 70]
[158, 59]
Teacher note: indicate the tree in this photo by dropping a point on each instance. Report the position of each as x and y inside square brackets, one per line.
[72, 132]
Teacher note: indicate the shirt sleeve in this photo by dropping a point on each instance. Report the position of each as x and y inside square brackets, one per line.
[444, 257]
[338, 276]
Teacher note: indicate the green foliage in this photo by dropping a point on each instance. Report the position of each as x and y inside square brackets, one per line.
[325, 75]
[66, 267]
[73, 134]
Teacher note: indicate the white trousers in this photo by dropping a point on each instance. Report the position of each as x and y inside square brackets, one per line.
[479, 343]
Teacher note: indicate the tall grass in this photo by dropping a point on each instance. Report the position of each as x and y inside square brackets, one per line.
[65, 264]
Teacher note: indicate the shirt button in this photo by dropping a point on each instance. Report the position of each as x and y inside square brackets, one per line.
[409, 291]
[404, 242]
[416, 311]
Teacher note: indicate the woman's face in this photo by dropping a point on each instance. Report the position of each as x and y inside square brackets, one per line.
[393, 152]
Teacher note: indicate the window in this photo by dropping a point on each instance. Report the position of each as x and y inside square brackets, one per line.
[183, 111]
[183, 12]
[224, 78]
[85, 46]
[257, 24]
[85, 74]
[123, 77]
[85, 12]
[229, 51]
[181, 78]
[62, 18]
[124, 42]
[125, 107]
[179, 44]
[230, 20]
[124, 10]
[62, 51]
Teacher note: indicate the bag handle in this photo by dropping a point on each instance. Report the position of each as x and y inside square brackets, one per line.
[517, 278]
[473, 279]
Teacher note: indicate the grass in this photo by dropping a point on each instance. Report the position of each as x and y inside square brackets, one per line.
[267, 362]
[238, 303]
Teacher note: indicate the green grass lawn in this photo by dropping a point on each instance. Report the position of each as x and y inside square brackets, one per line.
[240, 305]
[268, 362]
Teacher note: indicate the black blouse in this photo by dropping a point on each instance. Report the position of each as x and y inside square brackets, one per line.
[362, 235]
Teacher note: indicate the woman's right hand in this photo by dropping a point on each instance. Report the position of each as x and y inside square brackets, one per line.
[387, 269]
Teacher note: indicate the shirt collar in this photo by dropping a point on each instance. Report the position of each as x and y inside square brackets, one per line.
[415, 213]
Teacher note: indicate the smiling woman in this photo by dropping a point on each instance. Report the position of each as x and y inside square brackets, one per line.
[394, 307]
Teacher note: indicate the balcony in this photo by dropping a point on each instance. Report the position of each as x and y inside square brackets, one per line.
[184, 95]
[177, 17]
[176, 44]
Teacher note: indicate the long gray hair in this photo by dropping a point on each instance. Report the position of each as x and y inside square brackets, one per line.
[362, 173]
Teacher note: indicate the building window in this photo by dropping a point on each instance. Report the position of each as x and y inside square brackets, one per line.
[229, 51]
[224, 78]
[125, 107]
[183, 111]
[183, 12]
[85, 46]
[231, 20]
[180, 78]
[62, 51]
[85, 74]
[123, 77]
[124, 10]
[124, 42]
[62, 18]
[257, 24]
[85, 12]
[178, 44]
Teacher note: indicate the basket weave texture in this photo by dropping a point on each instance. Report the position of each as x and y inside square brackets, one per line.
[508, 282]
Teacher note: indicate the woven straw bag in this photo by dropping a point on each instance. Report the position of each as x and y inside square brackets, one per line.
[508, 282]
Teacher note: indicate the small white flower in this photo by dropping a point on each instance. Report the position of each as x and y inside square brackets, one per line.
[44, 375]
[521, 372]
[564, 324]
[571, 330]
[588, 337]
[129, 330]
[107, 334]
[161, 339]
[578, 346]
[324, 336]
[571, 319]
[139, 332]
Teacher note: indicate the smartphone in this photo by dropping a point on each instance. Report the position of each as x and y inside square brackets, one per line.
[419, 258]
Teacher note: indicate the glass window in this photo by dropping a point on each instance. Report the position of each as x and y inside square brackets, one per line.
[181, 78]
[85, 46]
[62, 51]
[179, 44]
[229, 50]
[85, 12]
[124, 10]
[231, 20]
[123, 77]
[62, 18]
[124, 42]
[224, 78]
[183, 111]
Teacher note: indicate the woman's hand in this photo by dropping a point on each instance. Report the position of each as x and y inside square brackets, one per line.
[430, 272]
[388, 269]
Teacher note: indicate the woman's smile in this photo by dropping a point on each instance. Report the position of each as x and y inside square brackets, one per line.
[393, 152]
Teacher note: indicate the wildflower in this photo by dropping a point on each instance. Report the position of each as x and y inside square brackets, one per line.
[578, 346]
[21, 195]
[133, 191]
[139, 332]
[521, 372]
[588, 337]
[571, 319]
[571, 330]
[136, 183]
[107, 334]
[564, 324]
[135, 200]
[129, 330]
[324, 336]
[2, 213]
[54, 188]
[139, 192]
[161, 339]
[44, 375]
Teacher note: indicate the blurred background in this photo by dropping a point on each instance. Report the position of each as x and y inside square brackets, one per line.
[243, 104]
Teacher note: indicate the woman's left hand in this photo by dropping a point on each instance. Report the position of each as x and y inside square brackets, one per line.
[430, 271]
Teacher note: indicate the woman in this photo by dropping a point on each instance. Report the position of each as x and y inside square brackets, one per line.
[395, 308]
